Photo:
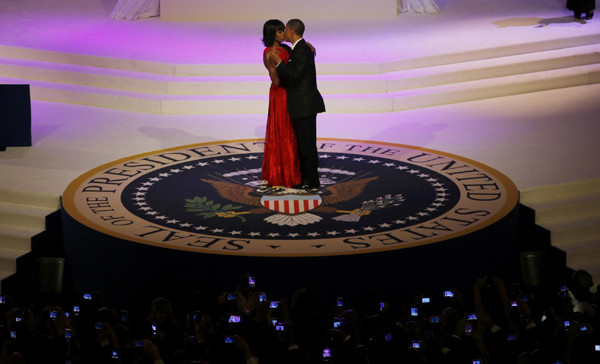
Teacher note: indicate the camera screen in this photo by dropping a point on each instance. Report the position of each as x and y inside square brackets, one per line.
[468, 329]
[476, 361]
[326, 353]
[68, 334]
[76, 309]
[2, 299]
[414, 311]
[472, 316]
[274, 304]
[336, 323]
[339, 302]
[597, 347]
[231, 297]
[234, 319]
[18, 319]
[388, 337]
[53, 314]
[251, 282]
[228, 340]
[99, 326]
[381, 305]
[87, 296]
[416, 344]
[13, 334]
[448, 294]
[262, 298]
[513, 303]
[434, 319]
[279, 327]
[511, 337]
[425, 300]
[115, 354]
[567, 323]
[154, 328]
[139, 344]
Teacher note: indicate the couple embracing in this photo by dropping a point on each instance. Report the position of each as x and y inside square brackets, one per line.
[290, 157]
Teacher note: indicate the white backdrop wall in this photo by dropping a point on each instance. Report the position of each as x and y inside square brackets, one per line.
[280, 9]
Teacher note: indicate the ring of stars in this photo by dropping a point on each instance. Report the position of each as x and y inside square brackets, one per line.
[441, 196]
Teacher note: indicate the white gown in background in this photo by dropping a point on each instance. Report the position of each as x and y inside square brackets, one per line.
[418, 6]
[135, 9]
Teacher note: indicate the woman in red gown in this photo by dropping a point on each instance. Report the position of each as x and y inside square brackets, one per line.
[281, 165]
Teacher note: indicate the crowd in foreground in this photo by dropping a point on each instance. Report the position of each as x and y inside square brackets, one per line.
[501, 324]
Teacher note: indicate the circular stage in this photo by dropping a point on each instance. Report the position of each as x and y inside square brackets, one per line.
[197, 211]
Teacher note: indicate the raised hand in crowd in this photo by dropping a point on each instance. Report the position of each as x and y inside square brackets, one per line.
[152, 351]
[247, 305]
[106, 335]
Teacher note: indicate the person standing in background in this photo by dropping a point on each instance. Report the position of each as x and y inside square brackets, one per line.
[582, 6]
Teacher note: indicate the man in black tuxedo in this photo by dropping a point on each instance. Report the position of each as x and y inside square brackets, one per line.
[304, 100]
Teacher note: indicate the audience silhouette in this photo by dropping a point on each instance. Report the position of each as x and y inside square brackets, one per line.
[499, 325]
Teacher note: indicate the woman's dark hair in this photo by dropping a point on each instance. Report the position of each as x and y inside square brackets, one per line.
[269, 30]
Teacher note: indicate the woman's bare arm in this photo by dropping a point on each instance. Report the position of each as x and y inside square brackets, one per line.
[271, 68]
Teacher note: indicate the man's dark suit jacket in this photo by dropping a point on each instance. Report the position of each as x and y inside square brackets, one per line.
[300, 74]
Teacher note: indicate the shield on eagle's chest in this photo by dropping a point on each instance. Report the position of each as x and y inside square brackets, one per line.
[291, 204]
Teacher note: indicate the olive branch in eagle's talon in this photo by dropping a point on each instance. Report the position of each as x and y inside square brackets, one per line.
[208, 209]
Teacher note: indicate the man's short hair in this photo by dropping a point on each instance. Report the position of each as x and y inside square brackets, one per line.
[297, 25]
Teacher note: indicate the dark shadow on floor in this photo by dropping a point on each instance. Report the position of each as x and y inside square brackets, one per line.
[536, 22]
[561, 20]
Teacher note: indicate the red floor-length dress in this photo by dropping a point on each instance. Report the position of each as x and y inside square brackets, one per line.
[281, 166]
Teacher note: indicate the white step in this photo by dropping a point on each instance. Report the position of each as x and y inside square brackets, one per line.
[382, 102]
[328, 84]
[16, 238]
[491, 68]
[323, 68]
[584, 258]
[571, 212]
[569, 233]
[579, 245]
[30, 198]
[487, 53]
[23, 216]
[545, 194]
[497, 87]
[567, 209]
[8, 259]
[86, 60]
